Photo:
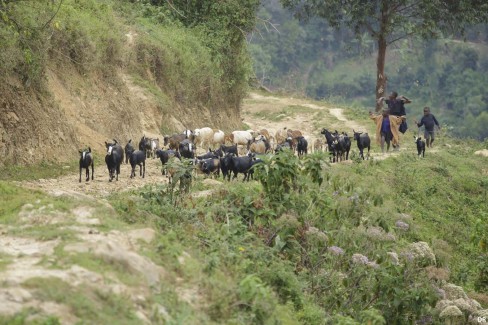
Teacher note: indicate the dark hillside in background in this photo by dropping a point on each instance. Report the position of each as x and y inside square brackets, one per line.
[448, 74]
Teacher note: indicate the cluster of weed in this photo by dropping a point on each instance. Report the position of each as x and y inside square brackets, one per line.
[288, 241]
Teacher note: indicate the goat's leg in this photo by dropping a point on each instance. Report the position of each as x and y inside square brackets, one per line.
[80, 174]
[87, 174]
[143, 169]
[93, 169]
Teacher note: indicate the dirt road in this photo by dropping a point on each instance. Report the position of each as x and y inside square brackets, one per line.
[258, 112]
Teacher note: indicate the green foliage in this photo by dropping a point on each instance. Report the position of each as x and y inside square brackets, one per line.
[481, 281]
[256, 296]
[23, 318]
[42, 170]
[447, 74]
[273, 238]
[221, 28]
[89, 304]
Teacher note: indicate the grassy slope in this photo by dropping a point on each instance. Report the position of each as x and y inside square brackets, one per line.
[239, 257]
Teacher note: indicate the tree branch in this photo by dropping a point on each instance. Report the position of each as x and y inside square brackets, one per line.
[49, 21]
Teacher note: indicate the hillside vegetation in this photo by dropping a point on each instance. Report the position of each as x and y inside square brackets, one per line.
[447, 73]
[77, 73]
[385, 241]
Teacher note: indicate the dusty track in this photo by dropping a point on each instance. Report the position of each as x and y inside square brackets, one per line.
[308, 121]
[100, 186]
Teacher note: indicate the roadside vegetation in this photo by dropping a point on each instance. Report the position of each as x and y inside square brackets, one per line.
[305, 242]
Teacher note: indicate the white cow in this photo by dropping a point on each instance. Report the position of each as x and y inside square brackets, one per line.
[281, 135]
[241, 137]
[203, 137]
[218, 137]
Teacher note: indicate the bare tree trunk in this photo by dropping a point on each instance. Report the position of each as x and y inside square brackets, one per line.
[380, 61]
[380, 70]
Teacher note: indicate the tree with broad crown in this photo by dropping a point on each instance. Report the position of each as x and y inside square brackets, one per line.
[388, 21]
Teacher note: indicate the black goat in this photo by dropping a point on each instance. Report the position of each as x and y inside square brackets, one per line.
[331, 144]
[145, 145]
[227, 149]
[138, 158]
[226, 165]
[302, 146]
[343, 145]
[187, 149]
[164, 156]
[113, 159]
[363, 142]
[208, 155]
[288, 144]
[86, 160]
[210, 166]
[241, 165]
[420, 146]
[129, 149]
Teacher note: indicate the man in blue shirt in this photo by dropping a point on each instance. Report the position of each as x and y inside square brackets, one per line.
[429, 122]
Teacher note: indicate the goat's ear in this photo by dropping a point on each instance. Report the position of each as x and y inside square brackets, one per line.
[106, 144]
[80, 151]
[130, 140]
[89, 149]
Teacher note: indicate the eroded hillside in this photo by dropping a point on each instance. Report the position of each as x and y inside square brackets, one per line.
[86, 80]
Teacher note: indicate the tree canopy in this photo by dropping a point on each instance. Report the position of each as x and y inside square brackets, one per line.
[388, 21]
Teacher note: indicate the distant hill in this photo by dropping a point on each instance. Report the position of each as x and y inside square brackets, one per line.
[448, 74]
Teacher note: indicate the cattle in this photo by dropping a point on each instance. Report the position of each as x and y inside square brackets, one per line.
[188, 134]
[187, 149]
[173, 141]
[145, 145]
[331, 143]
[260, 146]
[420, 146]
[302, 146]
[265, 134]
[226, 149]
[318, 145]
[268, 137]
[113, 159]
[281, 136]
[294, 133]
[236, 165]
[154, 147]
[343, 145]
[229, 139]
[252, 132]
[226, 164]
[129, 149]
[241, 137]
[210, 166]
[285, 145]
[363, 142]
[209, 154]
[203, 137]
[138, 158]
[86, 161]
[218, 138]
[174, 165]
[164, 156]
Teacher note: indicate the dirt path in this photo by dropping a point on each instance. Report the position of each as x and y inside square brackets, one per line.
[268, 112]
[309, 120]
[100, 186]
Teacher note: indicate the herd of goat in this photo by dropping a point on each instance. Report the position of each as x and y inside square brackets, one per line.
[225, 158]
